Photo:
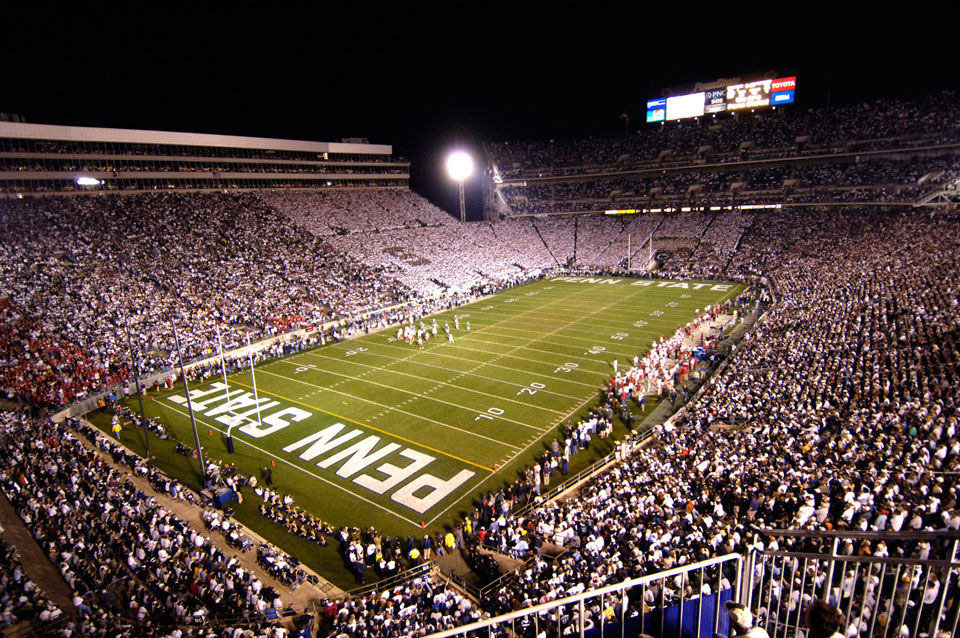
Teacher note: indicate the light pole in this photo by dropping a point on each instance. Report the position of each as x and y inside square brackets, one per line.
[460, 167]
[186, 391]
[136, 377]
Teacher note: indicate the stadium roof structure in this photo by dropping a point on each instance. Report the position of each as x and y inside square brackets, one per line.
[132, 136]
[52, 159]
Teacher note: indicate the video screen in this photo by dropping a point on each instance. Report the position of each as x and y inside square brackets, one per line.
[748, 95]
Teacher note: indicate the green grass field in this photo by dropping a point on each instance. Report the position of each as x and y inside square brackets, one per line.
[376, 432]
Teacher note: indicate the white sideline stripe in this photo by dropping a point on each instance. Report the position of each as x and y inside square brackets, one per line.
[387, 407]
[586, 290]
[594, 342]
[454, 370]
[495, 365]
[534, 441]
[393, 371]
[655, 322]
[642, 334]
[564, 299]
[510, 460]
[295, 466]
[541, 306]
[605, 323]
[552, 315]
[548, 363]
[349, 377]
[547, 313]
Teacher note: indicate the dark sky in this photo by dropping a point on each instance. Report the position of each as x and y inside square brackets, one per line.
[426, 80]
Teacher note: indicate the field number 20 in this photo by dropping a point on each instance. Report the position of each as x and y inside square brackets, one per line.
[350, 353]
[532, 389]
[490, 411]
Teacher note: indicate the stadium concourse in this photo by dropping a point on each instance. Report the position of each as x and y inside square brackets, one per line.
[890, 151]
[839, 409]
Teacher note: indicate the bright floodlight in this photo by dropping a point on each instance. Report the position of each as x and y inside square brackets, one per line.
[88, 181]
[460, 166]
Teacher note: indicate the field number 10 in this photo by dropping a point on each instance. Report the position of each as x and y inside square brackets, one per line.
[493, 411]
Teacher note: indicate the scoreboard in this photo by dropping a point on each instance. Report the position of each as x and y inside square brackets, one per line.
[746, 95]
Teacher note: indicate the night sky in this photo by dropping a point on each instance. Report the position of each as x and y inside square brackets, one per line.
[428, 80]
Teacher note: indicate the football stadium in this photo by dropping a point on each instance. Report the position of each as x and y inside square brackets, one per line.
[697, 377]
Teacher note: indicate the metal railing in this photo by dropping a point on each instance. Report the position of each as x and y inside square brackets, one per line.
[388, 583]
[469, 589]
[37, 627]
[667, 611]
[636, 439]
[878, 596]
[519, 569]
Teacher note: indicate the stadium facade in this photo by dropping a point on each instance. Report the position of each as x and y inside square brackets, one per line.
[849, 372]
[47, 159]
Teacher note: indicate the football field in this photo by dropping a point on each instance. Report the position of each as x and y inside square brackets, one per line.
[375, 431]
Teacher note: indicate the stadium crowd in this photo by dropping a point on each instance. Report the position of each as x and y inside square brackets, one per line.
[19, 596]
[136, 567]
[845, 399]
[419, 607]
[76, 271]
[782, 133]
[79, 271]
[846, 179]
[838, 411]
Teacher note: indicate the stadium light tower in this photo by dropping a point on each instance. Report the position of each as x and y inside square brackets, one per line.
[460, 167]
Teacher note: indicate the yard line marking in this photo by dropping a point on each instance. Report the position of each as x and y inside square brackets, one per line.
[657, 326]
[592, 339]
[503, 465]
[439, 383]
[560, 354]
[546, 363]
[395, 409]
[643, 334]
[349, 377]
[459, 373]
[535, 441]
[304, 470]
[375, 429]
[547, 314]
[437, 352]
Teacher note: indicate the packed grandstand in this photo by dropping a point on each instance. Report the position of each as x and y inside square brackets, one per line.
[836, 413]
